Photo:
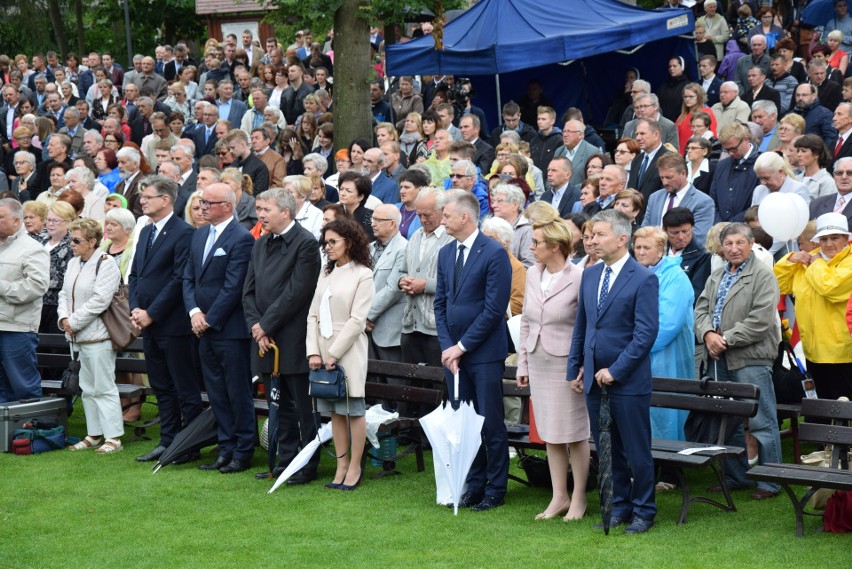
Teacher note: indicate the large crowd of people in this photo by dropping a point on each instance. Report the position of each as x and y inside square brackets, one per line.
[213, 190]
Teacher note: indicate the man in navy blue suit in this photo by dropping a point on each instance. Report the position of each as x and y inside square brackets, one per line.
[617, 323]
[471, 297]
[212, 293]
[204, 135]
[156, 304]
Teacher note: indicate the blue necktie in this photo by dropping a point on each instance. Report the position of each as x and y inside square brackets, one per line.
[459, 268]
[642, 169]
[211, 239]
[151, 237]
[604, 288]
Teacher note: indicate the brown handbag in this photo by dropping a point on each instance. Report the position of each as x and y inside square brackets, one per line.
[116, 317]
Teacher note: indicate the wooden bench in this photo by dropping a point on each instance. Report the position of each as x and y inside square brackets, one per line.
[792, 412]
[420, 388]
[733, 401]
[838, 477]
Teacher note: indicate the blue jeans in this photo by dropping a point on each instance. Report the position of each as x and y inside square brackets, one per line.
[19, 377]
[763, 426]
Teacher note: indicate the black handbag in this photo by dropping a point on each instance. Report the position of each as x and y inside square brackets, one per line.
[701, 427]
[787, 382]
[71, 376]
[327, 384]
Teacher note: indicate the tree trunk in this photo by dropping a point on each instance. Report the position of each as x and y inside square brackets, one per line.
[55, 14]
[352, 112]
[81, 33]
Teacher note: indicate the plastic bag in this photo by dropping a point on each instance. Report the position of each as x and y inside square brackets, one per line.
[377, 416]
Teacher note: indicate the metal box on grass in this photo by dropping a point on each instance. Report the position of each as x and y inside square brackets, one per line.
[16, 413]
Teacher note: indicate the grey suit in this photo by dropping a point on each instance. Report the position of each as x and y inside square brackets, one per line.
[668, 128]
[700, 204]
[581, 156]
[825, 204]
[389, 301]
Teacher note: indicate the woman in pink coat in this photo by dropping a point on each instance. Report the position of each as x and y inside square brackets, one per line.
[547, 325]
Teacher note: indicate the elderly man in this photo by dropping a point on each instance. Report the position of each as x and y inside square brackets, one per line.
[254, 116]
[275, 164]
[613, 180]
[93, 142]
[159, 131]
[384, 321]
[418, 280]
[281, 279]
[677, 191]
[830, 93]
[393, 165]
[204, 135]
[216, 269]
[678, 223]
[562, 193]
[730, 108]
[73, 130]
[58, 150]
[842, 122]
[758, 90]
[818, 119]
[129, 160]
[782, 81]
[576, 149]
[765, 114]
[734, 180]
[229, 108]
[737, 321]
[648, 107]
[246, 161]
[147, 77]
[384, 188]
[758, 57]
[24, 279]
[839, 202]
[469, 126]
[644, 176]
[464, 176]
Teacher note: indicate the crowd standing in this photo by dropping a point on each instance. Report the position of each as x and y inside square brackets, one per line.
[212, 188]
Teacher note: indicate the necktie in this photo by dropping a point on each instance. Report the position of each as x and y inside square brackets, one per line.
[211, 239]
[151, 237]
[604, 288]
[671, 202]
[839, 146]
[642, 168]
[459, 268]
[841, 202]
[207, 136]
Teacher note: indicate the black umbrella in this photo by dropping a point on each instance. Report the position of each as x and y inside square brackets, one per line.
[605, 459]
[273, 395]
[201, 432]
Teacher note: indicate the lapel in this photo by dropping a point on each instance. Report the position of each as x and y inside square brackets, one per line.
[472, 259]
[158, 242]
[563, 281]
[216, 245]
[620, 282]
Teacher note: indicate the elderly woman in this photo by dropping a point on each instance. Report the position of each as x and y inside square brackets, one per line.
[549, 314]
[673, 353]
[89, 286]
[812, 158]
[508, 203]
[308, 215]
[500, 230]
[341, 164]
[118, 243]
[630, 203]
[179, 102]
[25, 165]
[83, 181]
[410, 183]
[789, 127]
[56, 172]
[589, 192]
[241, 184]
[821, 280]
[412, 140]
[699, 169]
[318, 195]
[35, 220]
[590, 257]
[22, 140]
[354, 190]
[344, 292]
[58, 244]
[193, 214]
[839, 59]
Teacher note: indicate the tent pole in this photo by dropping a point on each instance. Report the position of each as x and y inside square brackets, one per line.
[499, 102]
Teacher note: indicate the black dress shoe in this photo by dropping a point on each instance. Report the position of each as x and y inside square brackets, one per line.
[614, 522]
[265, 475]
[468, 500]
[333, 486]
[487, 503]
[216, 465]
[187, 457]
[301, 478]
[639, 525]
[153, 455]
[236, 465]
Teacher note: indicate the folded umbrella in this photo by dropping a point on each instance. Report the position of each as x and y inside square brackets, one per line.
[605, 459]
[274, 398]
[304, 456]
[201, 432]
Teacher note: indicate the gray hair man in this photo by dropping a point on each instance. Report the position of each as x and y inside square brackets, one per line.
[384, 320]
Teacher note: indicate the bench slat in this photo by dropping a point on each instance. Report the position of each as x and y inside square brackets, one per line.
[403, 393]
[827, 408]
[834, 434]
[803, 475]
[693, 403]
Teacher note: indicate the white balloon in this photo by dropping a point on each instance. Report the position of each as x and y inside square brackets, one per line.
[779, 216]
[804, 212]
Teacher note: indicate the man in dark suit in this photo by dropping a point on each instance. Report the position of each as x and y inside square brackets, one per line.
[156, 304]
[204, 135]
[829, 93]
[839, 202]
[472, 293]
[246, 161]
[384, 188]
[282, 277]
[617, 324]
[181, 154]
[212, 289]
[129, 160]
[709, 80]
[562, 194]
[11, 98]
[644, 175]
[469, 126]
[758, 90]
[842, 122]
[59, 151]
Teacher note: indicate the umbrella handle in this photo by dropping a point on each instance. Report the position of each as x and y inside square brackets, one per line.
[274, 348]
[456, 386]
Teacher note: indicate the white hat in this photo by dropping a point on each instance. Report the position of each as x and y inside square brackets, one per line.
[831, 224]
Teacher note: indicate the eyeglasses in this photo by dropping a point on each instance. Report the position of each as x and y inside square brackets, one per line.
[333, 242]
[732, 149]
[205, 203]
[381, 219]
[574, 131]
[143, 197]
[222, 153]
[536, 242]
[622, 152]
[694, 148]
[841, 173]
[77, 241]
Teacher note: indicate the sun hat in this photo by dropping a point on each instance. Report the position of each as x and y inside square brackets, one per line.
[831, 224]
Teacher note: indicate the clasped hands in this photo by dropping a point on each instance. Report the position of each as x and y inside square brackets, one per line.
[715, 343]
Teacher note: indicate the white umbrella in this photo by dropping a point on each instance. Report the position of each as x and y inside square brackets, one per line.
[301, 459]
[455, 436]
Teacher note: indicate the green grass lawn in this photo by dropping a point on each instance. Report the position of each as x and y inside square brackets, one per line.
[81, 510]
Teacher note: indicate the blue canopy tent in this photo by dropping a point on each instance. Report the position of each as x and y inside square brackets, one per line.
[561, 43]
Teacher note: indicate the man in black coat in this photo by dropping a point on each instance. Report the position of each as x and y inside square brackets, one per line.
[279, 286]
[246, 161]
[561, 193]
[512, 121]
[156, 303]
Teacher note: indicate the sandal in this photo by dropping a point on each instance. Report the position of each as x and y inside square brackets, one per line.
[88, 442]
[109, 446]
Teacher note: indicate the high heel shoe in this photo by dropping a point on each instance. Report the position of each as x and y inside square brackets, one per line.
[333, 485]
[560, 512]
[348, 487]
